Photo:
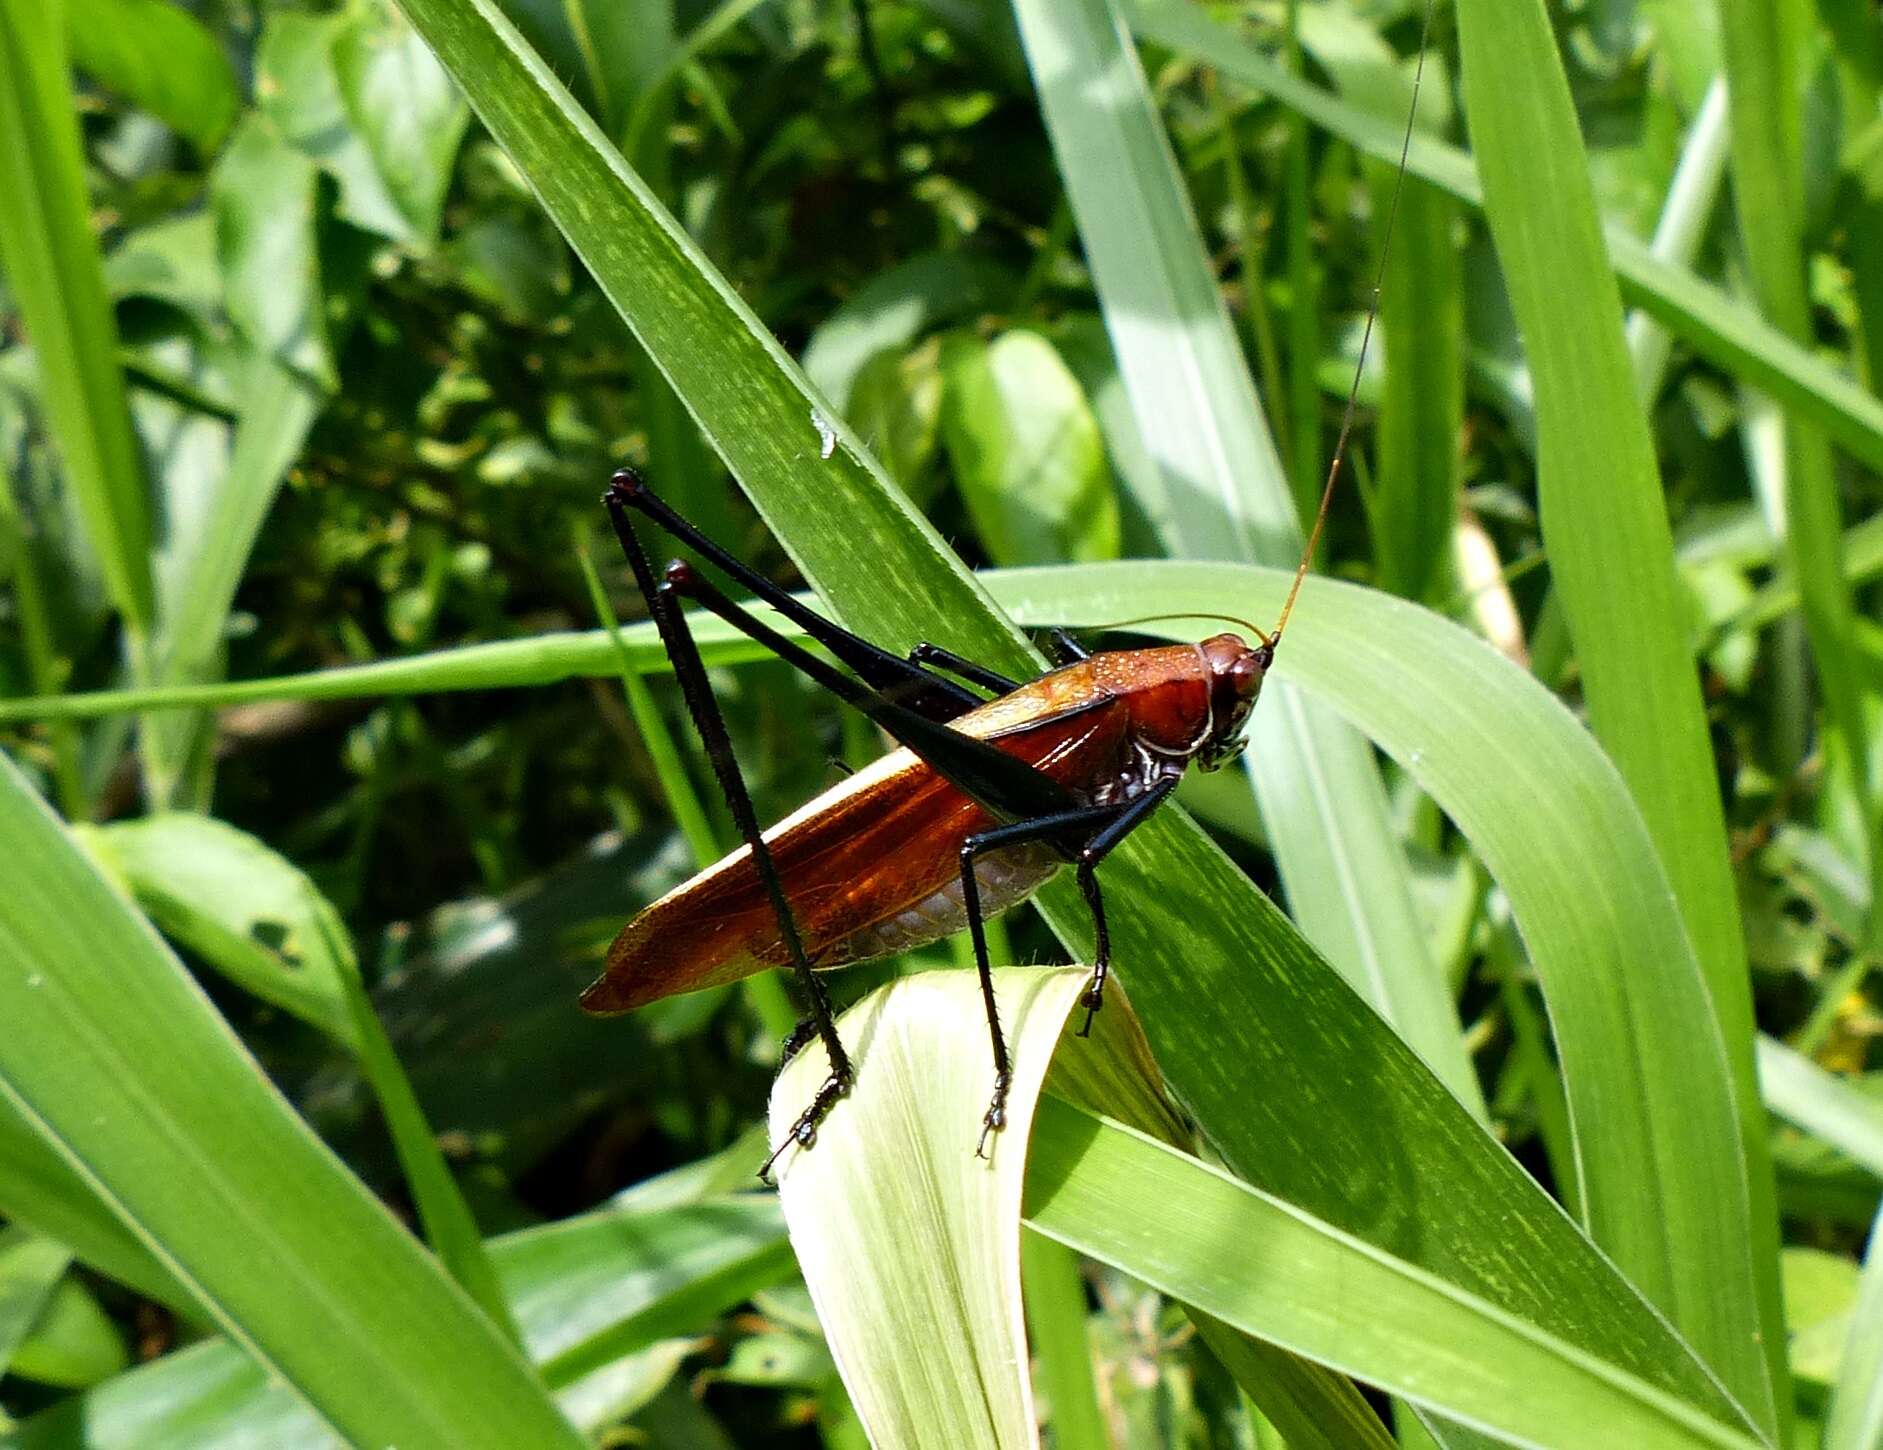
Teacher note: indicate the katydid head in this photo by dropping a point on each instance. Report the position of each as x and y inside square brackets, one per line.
[1236, 671]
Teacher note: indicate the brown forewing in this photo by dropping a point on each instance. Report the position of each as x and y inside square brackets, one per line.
[870, 848]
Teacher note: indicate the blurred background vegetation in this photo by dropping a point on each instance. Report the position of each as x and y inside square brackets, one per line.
[372, 400]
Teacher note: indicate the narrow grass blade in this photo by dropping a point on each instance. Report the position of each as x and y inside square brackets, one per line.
[31, 1266]
[53, 271]
[1804, 1094]
[1269, 1269]
[1856, 1418]
[1611, 553]
[40, 1190]
[1724, 332]
[1062, 1349]
[1224, 495]
[117, 1059]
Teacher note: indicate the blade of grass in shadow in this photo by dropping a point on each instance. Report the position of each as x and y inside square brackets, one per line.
[1727, 334]
[1604, 521]
[53, 271]
[1763, 44]
[45, 671]
[1225, 496]
[1379, 1145]
[120, 1062]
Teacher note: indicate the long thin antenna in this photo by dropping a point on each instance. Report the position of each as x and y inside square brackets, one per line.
[1239, 622]
[1366, 337]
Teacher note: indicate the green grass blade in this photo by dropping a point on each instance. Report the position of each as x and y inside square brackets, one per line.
[1269, 1269]
[1062, 1348]
[118, 1060]
[1224, 494]
[1611, 553]
[1855, 1421]
[1827, 1107]
[1668, 1184]
[1727, 334]
[589, 1290]
[31, 1267]
[1680, 231]
[40, 1190]
[53, 271]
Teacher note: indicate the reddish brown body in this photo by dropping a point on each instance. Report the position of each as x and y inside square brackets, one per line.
[872, 865]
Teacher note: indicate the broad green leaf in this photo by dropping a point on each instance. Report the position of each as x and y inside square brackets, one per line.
[405, 109]
[157, 55]
[258, 919]
[1604, 520]
[119, 1061]
[893, 309]
[298, 89]
[239, 906]
[53, 273]
[265, 237]
[1026, 451]
[896, 407]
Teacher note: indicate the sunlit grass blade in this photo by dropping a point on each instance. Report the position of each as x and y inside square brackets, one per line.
[1224, 494]
[1604, 522]
[932, 1344]
[1724, 332]
[909, 1242]
[116, 1058]
[1802, 1093]
[1203, 1237]
[53, 273]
